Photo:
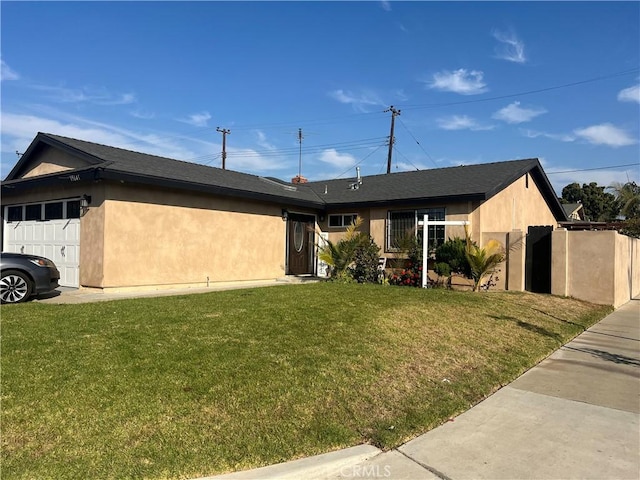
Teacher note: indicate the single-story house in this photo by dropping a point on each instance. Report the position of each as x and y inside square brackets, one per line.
[574, 212]
[112, 218]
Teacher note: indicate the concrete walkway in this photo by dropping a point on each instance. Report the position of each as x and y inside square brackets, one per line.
[64, 295]
[575, 415]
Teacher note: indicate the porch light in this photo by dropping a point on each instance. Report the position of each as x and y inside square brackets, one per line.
[285, 215]
[85, 201]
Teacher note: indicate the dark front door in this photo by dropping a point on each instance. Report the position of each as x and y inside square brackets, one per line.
[300, 242]
[538, 260]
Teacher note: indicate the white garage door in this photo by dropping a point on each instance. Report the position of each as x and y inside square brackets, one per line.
[55, 238]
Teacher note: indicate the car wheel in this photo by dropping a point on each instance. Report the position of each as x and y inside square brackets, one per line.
[15, 287]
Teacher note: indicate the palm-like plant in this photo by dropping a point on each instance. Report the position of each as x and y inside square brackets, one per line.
[628, 198]
[483, 260]
[340, 255]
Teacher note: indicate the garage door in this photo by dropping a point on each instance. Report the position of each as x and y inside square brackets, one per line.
[55, 238]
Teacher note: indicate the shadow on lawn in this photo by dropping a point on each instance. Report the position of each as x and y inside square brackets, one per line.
[532, 328]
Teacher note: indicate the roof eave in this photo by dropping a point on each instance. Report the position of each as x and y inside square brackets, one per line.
[107, 174]
[43, 138]
[408, 201]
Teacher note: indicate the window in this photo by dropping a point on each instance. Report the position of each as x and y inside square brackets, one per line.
[436, 232]
[58, 210]
[400, 223]
[33, 212]
[53, 211]
[342, 220]
[73, 209]
[14, 214]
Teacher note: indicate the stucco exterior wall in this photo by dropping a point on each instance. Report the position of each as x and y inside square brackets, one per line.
[188, 239]
[597, 266]
[92, 237]
[53, 160]
[515, 208]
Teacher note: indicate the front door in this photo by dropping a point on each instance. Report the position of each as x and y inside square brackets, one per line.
[300, 244]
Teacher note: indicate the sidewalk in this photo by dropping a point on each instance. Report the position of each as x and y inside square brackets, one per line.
[575, 415]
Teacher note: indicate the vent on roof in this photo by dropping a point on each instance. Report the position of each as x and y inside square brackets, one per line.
[356, 185]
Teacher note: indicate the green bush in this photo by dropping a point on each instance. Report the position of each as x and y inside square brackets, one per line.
[410, 274]
[452, 253]
[365, 260]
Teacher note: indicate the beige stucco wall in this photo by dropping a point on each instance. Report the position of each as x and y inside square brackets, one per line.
[92, 236]
[53, 160]
[515, 208]
[596, 266]
[188, 239]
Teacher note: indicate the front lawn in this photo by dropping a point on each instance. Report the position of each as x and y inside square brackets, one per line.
[195, 385]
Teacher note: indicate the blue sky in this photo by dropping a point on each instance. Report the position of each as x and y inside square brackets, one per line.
[475, 82]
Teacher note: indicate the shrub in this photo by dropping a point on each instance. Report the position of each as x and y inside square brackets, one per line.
[483, 261]
[365, 260]
[410, 274]
[354, 257]
[451, 258]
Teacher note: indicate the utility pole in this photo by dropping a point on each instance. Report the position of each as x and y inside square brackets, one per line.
[394, 112]
[224, 144]
[300, 137]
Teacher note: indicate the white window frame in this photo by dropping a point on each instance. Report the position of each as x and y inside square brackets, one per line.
[352, 218]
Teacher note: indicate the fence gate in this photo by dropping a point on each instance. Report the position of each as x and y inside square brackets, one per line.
[538, 260]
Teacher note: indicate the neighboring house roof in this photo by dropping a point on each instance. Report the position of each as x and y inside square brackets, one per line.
[463, 183]
[574, 211]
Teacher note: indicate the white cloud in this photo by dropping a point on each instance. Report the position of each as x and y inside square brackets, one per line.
[514, 113]
[18, 130]
[631, 94]
[511, 48]
[250, 161]
[605, 134]
[358, 102]
[262, 140]
[341, 160]
[459, 81]
[462, 122]
[563, 137]
[97, 96]
[401, 95]
[197, 119]
[142, 114]
[386, 5]
[6, 73]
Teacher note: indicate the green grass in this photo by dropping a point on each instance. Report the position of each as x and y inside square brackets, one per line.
[187, 386]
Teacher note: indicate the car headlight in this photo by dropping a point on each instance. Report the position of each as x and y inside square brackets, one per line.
[41, 262]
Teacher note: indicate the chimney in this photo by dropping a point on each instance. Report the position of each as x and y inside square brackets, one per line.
[299, 179]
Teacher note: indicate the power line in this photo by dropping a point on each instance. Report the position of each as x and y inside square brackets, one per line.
[351, 145]
[596, 168]
[528, 92]
[405, 157]
[419, 144]
[358, 163]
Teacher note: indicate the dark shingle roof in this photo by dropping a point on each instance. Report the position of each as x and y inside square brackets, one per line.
[472, 182]
[117, 163]
[477, 182]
